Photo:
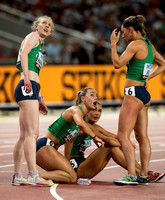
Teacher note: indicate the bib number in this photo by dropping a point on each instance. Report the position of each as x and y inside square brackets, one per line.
[147, 69]
[130, 91]
[73, 163]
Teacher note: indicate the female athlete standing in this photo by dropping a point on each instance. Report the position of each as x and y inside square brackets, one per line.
[29, 99]
[139, 57]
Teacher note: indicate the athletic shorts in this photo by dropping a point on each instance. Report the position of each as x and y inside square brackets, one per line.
[43, 142]
[21, 95]
[139, 92]
[75, 162]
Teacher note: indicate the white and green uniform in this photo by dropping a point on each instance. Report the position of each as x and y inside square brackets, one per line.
[80, 144]
[139, 70]
[63, 130]
[35, 59]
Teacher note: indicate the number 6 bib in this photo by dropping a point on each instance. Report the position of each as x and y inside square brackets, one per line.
[130, 91]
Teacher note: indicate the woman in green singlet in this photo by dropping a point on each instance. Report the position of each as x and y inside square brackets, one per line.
[28, 96]
[66, 127]
[90, 166]
[139, 57]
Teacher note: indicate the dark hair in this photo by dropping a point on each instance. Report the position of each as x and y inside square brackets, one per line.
[137, 22]
[82, 93]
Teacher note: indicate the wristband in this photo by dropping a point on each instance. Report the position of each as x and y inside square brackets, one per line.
[41, 97]
[94, 137]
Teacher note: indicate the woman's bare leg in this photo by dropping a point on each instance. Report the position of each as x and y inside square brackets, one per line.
[94, 163]
[57, 167]
[143, 140]
[29, 122]
[127, 122]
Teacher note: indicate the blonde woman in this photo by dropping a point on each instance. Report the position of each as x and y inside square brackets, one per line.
[27, 94]
[61, 131]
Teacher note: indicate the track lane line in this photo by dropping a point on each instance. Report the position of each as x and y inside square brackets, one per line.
[54, 193]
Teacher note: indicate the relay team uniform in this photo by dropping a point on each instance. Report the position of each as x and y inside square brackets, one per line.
[62, 130]
[139, 70]
[80, 144]
[35, 63]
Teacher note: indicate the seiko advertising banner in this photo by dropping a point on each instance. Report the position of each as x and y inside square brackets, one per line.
[60, 83]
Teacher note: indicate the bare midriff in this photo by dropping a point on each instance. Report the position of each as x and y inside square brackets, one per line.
[33, 76]
[131, 82]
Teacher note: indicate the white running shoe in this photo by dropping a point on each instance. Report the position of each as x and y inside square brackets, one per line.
[19, 181]
[38, 181]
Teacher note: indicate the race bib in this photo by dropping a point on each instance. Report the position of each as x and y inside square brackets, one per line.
[73, 163]
[71, 135]
[40, 61]
[130, 91]
[25, 93]
[147, 69]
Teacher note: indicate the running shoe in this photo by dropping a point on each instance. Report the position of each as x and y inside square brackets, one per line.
[127, 180]
[155, 176]
[38, 181]
[143, 180]
[19, 181]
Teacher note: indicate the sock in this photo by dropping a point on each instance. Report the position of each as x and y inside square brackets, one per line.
[18, 175]
[33, 173]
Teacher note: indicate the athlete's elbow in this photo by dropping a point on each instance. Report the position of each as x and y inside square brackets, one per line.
[116, 66]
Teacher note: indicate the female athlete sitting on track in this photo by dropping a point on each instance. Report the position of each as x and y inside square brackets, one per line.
[90, 167]
[66, 127]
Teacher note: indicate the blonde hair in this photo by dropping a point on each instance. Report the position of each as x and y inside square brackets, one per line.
[82, 93]
[38, 19]
[137, 22]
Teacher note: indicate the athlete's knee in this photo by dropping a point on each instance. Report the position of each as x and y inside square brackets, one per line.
[142, 138]
[73, 177]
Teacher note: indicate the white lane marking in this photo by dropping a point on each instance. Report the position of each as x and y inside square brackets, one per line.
[54, 193]
[6, 154]
[7, 146]
[11, 165]
[160, 160]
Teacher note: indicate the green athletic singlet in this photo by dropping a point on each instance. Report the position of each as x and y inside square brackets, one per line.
[139, 70]
[35, 59]
[80, 144]
[63, 130]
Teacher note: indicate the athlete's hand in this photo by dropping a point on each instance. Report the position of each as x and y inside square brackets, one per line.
[42, 106]
[27, 85]
[146, 84]
[98, 141]
[114, 38]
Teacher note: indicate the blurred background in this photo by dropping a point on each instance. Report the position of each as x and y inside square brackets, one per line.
[82, 31]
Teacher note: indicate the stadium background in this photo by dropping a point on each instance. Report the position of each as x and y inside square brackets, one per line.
[78, 52]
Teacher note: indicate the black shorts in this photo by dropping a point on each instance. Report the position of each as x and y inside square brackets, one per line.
[75, 162]
[139, 92]
[43, 142]
[21, 95]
